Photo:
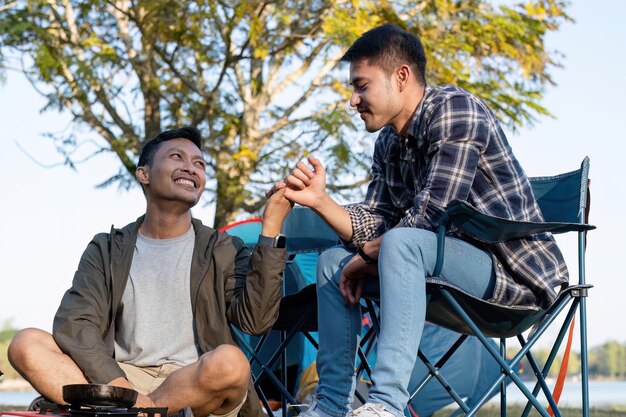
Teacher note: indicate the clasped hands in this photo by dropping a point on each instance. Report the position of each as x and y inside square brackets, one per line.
[306, 185]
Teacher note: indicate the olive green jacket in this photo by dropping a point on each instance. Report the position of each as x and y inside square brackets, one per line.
[229, 285]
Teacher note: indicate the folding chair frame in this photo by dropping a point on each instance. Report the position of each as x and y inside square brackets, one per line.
[280, 353]
[464, 217]
[305, 234]
[289, 329]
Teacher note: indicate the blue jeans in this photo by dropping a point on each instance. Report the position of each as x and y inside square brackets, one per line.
[407, 256]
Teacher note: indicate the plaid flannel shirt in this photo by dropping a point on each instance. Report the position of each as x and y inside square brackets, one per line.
[456, 150]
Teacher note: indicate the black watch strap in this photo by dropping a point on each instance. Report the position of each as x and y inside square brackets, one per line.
[279, 241]
[368, 259]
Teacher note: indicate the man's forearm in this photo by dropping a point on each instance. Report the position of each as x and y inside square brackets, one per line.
[274, 214]
[335, 216]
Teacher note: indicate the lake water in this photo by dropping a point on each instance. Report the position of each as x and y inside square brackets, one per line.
[601, 394]
[17, 398]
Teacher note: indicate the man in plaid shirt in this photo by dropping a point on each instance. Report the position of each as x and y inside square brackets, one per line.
[436, 145]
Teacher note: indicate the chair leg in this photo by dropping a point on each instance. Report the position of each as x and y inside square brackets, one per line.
[541, 379]
[505, 366]
[503, 383]
[553, 353]
[368, 342]
[583, 357]
[264, 400]
[266, 366]
[434, 371]
[283, 372]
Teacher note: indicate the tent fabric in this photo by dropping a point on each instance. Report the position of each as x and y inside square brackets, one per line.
[246, 230]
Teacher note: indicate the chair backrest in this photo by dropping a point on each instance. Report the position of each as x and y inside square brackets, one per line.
[307, 236]
[563, 198]
[307, 232]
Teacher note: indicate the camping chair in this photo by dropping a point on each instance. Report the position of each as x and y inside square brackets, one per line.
[307, 236]
[564, 202]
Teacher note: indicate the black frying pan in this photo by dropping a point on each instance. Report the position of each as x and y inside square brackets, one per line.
[99, 396]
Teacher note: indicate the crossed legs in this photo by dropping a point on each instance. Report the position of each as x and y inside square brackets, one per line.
[215, 384]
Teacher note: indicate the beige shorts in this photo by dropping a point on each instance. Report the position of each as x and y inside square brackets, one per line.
[146, 379]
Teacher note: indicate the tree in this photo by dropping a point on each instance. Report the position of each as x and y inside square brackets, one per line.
[608, 360]
[258, 77]
[7, 331]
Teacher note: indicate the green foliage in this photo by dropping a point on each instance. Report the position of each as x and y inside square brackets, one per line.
[7, 331]
[258, 77]
[5, 366]
[608, 360]
[605, 361]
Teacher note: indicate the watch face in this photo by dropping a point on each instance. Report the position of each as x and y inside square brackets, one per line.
[281, 241]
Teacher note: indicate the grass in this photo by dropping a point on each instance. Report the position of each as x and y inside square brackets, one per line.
[13, 407]
[516, 411]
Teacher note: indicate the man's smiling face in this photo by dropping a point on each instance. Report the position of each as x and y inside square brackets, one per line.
[177, 172]
[373, 95]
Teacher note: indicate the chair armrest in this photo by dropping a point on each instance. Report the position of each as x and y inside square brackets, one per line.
[469, 221]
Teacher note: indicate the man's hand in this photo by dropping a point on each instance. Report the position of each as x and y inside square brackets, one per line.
[352, 278]
[275, 211]
[306, 185]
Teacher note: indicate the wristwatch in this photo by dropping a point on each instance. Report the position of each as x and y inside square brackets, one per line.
[368, 259]
[278, 241]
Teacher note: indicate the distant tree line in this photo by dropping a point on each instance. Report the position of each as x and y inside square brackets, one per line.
[605, 361]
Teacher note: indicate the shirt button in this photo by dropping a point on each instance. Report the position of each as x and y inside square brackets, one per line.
[499, 265]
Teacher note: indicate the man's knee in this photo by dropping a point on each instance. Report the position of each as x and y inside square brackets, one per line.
[408, 238]
[21, 351]
[331, 261]
[225, 366]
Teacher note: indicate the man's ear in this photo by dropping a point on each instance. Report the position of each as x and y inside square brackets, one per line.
[403, 75]
[142, 175]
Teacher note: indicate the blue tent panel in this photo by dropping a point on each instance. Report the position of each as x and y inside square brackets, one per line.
[247, 230]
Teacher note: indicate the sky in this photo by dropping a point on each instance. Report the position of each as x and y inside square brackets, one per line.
[50, 214]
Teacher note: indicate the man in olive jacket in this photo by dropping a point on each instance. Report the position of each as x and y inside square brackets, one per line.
[151, 304]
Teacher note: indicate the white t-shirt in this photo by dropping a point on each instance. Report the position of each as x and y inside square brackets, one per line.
[154, 323]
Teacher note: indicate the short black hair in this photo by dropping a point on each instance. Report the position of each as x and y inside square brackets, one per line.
[150, 147]
[389, 46]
